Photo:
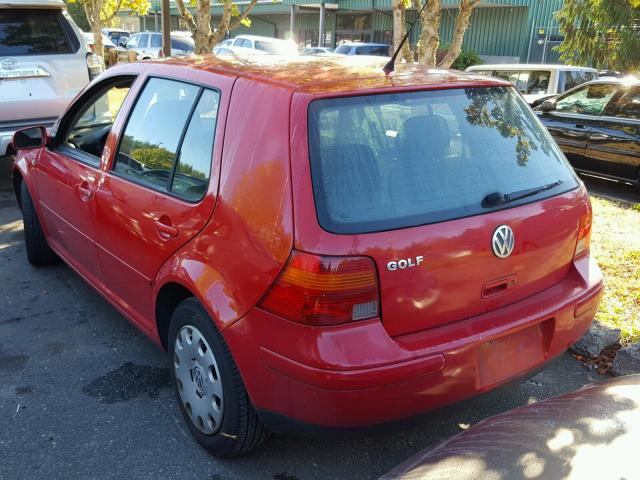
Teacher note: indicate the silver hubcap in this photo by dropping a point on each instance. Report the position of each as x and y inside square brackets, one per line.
[198, 380]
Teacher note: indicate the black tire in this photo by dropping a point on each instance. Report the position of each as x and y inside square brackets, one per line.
[39, 252]
[240, 430]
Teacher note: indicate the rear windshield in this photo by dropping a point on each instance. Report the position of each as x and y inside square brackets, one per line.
[30, 31]
[382, 162]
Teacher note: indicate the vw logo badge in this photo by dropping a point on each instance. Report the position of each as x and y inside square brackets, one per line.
[503, 241]
[8, 63]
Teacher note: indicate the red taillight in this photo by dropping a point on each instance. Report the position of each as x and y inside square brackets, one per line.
[319, 290]
[584, 232]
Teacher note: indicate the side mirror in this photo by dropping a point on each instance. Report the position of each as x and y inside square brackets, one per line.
[31, 138]
[122, 42]
[548, 106]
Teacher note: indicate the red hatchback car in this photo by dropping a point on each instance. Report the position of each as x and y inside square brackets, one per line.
[319, 247]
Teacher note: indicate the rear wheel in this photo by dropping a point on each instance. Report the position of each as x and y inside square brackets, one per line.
[209, 389]
[38, 251]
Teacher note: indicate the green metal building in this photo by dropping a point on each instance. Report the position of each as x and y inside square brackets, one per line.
[500, 30]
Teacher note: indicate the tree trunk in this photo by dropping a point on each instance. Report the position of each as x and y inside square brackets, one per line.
[400, 28]
[462, 23]
[429, 36]
[92, 11]
[200, 26]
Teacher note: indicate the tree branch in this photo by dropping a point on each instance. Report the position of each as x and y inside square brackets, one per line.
[462, 23]
[238, 21]
[186, 16]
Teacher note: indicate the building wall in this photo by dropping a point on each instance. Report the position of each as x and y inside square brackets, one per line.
[505, 28]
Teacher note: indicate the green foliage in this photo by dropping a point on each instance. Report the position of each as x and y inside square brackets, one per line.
[76, 10]
[466, 59]
[602, 33]
[109, 8]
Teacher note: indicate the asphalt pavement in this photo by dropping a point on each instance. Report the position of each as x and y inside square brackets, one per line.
[84, 395]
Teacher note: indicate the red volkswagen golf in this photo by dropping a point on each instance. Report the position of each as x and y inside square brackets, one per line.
[319, 248]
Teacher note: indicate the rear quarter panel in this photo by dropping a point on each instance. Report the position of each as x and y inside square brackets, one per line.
[237, 256]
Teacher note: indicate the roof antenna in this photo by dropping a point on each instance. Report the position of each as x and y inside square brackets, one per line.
[390, 66]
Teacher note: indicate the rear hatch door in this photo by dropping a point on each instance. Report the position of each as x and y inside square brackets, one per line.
[42, 64]
[460, 196]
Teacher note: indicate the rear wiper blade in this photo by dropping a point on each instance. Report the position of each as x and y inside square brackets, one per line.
[496, 198]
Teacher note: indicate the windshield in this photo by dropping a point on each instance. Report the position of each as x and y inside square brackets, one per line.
[389, 161]
[275, 48]
[531, 82]
[343, 49]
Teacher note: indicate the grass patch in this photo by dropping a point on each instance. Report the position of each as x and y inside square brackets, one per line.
[615, 244]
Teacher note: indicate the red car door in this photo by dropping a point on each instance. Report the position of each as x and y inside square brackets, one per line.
[69, 171]
[159, 190]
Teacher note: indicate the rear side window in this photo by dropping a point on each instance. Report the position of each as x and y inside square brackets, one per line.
[389, 161]
[373, 50]
[168, 141]
[31, 31]
[527, 82]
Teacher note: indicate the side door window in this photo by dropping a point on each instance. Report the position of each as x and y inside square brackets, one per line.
[156, 41]
[168, 141]
[626, 104]
[588, 100]
[143, 42]
[132, 42]
[86, 134]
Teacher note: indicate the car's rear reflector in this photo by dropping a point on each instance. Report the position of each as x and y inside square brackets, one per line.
[323, 290]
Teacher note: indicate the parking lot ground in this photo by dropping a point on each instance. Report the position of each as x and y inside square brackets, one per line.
[84, 395]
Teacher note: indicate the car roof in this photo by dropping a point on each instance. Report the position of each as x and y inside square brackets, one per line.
[33, 3]
[319, 75]
[527, 66]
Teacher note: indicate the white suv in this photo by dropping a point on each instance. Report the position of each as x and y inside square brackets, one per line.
[44, 63]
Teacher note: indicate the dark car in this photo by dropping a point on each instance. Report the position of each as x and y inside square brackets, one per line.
[597, 126]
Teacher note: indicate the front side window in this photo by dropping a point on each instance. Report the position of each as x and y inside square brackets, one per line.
[389, 161]
[32, 31]
[588, 100]
[133, 42]
[155, 138]
[88, 132]
[625, 104]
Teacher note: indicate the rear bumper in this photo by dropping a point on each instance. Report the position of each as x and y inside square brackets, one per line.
[354, 376]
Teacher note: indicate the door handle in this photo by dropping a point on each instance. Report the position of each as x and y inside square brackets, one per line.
[165, 227]
[85, 190]
[581, 126]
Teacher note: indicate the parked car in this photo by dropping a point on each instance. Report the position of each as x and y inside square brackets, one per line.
[44, 63]
[563, 437]
[438, 248]
[272, 46]
[238, 51]
[117, 36]
[597, 126]
[317, 51]
[106, 42]
[148, 45]
[538, 82]
[360, 48]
